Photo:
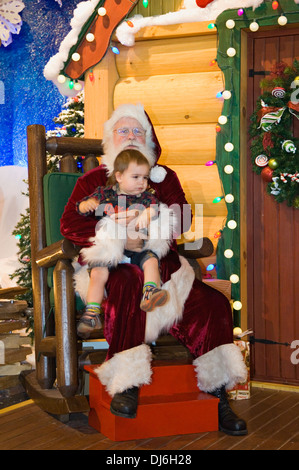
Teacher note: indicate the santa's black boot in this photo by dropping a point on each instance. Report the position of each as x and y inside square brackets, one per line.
[125, 404]
[228, 420]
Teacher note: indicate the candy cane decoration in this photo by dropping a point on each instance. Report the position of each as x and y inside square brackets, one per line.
[294, 177]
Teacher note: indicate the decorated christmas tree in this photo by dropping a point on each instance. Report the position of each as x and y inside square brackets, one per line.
[70, 124]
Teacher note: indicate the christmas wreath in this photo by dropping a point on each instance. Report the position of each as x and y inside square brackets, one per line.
[274, 149]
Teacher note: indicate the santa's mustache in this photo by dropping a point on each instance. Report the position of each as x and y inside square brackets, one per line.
[143, 148]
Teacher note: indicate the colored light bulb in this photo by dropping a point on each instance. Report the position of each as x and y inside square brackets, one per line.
[217, 199]
[210, 267]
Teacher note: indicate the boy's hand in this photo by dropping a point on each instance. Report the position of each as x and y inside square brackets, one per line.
[88, 205]
[144, 218]
[124, 217]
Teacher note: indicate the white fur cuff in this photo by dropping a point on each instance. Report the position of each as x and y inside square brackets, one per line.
[108, 244]
[223, 365]
[161, 231]
[163, 318]
[129, 368]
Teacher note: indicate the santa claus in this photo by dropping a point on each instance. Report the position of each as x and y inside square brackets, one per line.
[197, 315]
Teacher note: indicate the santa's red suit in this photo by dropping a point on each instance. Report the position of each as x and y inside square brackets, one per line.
[196, 314]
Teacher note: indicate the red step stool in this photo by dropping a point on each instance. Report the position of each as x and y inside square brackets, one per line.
[170, 405]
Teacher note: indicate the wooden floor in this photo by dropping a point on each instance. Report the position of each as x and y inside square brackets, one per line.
[272, 417]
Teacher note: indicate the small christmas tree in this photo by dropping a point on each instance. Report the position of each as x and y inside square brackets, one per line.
[71, 120]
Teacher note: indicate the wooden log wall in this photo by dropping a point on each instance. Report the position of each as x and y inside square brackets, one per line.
[168, 70]
[157, 7]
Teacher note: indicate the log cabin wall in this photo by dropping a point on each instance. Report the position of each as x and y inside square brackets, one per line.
[168, 70]
[156, 7]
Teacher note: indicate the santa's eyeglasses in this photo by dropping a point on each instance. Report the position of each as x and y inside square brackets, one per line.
[125, 131]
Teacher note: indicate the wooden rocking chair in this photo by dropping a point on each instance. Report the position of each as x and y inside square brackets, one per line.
[56, 383]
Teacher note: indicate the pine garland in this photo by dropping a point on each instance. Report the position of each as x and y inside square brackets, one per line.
[274, 150]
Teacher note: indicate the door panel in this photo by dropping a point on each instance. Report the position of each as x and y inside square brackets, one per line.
[273, 235]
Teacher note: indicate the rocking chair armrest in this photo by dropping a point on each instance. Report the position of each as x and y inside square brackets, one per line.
[63, 249]
[201, 248]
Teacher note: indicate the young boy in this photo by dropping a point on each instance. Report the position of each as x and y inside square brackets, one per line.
[125, 198]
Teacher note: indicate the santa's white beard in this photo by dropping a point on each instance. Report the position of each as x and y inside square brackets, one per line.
[111, 153]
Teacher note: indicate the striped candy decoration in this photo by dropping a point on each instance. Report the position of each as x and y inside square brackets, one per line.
[293, 177]
[269, 119]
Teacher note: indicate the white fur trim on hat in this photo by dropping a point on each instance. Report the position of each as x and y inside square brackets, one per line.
[135, 111]
[126, 369]
[223, 365]
[157, 174]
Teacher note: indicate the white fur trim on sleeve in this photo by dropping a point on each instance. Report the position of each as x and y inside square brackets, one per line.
[161, 231]
[108, 244]
[163, 318]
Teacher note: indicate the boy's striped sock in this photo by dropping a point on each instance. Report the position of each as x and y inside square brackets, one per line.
[148, 285]
[93, 308]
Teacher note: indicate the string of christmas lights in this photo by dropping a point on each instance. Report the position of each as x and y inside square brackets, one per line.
[227, 154]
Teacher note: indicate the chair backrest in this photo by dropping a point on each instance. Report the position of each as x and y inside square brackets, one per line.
[58, 188]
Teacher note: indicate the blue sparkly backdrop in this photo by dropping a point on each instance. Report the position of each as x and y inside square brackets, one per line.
[26, 97]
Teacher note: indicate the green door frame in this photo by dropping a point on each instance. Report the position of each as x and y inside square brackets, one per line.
[233, 35]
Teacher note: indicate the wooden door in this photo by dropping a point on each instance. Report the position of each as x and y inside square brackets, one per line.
[273, 236]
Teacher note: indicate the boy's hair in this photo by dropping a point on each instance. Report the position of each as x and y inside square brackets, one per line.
[123, 160]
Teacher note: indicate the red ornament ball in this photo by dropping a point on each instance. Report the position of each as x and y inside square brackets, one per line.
[203, 3]
[267, 174]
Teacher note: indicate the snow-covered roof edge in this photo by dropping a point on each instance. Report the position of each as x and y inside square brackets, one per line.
[190, 13]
